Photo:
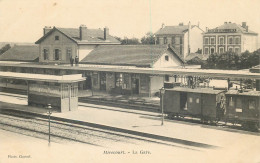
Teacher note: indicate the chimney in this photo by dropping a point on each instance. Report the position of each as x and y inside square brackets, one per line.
[106, 33]
[83, 32]
[207, 29]
[225, 22]
[163, 25]
[246, 28]
[46, 29]
[244, 24]
[181, 24]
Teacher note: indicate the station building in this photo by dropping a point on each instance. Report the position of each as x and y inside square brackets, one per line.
[229, 37]
[101, 60]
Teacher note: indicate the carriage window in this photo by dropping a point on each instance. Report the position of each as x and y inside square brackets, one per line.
[231, 102]
[190, 100]
[197, 100]
[251, 104]
[238, 103]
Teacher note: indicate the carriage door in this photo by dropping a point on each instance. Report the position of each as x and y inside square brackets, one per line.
[183, 101]
[250, 111]
[103, 81]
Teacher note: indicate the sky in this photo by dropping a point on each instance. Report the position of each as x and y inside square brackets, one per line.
[23, 20]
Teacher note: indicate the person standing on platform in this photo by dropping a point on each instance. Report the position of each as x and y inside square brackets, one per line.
[76, 60]
[71, 60]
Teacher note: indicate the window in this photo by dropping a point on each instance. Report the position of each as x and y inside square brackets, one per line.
[237, 50]
[221, 50]
[57, 38]
[206, 40]
[180, 40]
[212, 40]
[57, 54]
[231, 102]
[206, 51]
[165, 40]
[251, 104]
[237, 40]
[68, 53]
[166, 58]
[166, 78]
[180, 49]
[173, 40]
[157, 40]
[221, 40]
[230, 49]
[45, 54]
[190, 99]
[177, 40]
[230, 40]
[119, 79]
[212, 50]
[197, 100]
[238, 103]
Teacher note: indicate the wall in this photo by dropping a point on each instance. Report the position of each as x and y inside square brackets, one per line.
[195, 39]
[250, 42]
[173, 60]
[156, 83]
[63, 43]
[84, 50]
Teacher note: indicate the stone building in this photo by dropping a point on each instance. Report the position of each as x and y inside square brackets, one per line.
[185, 39]
[229, 37]
[57, 45]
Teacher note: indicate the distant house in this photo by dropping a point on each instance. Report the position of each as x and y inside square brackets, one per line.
[28, 53]
[229, 37]
[58, 45]
[185, 39]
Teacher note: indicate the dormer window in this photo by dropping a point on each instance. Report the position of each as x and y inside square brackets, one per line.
[57, 38]
[166, 58]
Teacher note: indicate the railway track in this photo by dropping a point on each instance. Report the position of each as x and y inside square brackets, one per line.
[63, 131]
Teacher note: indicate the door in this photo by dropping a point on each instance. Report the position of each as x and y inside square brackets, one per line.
[103, 81]
[135, 85]
[88, 84]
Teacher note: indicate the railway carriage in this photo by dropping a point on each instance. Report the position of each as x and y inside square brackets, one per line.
[243, 107]
[204, 103]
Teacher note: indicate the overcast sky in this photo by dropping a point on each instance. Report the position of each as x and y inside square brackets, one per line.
[23, 20]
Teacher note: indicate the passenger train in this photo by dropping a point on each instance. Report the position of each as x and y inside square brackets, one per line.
[214, 105]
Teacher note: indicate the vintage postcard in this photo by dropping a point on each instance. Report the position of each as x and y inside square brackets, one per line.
[129, 81]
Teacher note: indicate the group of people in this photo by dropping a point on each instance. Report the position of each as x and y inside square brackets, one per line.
[72, 60]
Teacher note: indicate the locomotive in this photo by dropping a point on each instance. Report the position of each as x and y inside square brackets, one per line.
[214, 105]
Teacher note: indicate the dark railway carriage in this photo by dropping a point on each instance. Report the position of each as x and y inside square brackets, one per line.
[243, 107]
[205, 103]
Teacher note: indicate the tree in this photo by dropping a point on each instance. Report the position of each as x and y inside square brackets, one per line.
[128, 41]
[149, 38]
[5, 48]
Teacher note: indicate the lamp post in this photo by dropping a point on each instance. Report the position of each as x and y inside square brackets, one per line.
[162, 91]
[49, 113]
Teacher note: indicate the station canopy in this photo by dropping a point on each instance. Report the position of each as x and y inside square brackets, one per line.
[42, 77]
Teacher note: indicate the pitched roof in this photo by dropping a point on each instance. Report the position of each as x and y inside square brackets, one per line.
[244, 93]
[180, 29]
[21, 53]
[93, 36]
[236, 27]
[137, 55]
[196, 55]
[196, 90]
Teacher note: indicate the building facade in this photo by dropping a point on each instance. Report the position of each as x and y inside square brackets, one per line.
[229, 37]
[58, 45]
[185, 39]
